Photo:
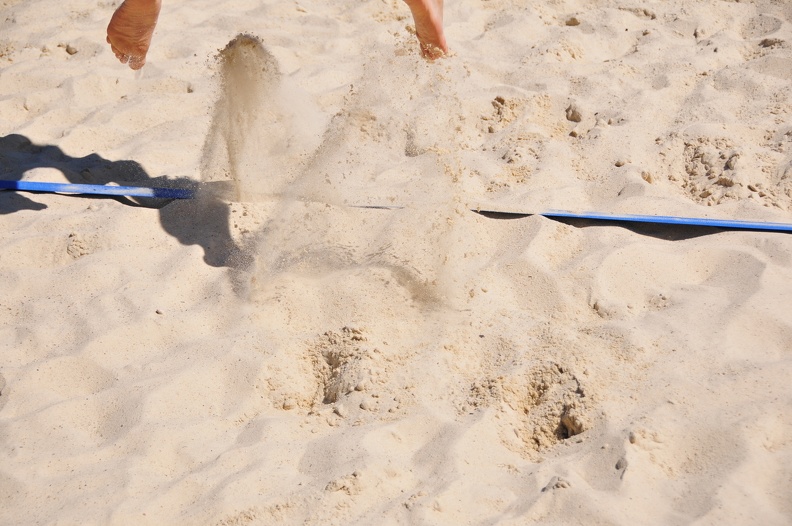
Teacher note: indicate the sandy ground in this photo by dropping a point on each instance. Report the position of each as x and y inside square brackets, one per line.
[271, 353]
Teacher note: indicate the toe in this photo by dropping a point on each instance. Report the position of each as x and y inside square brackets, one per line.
[137, 62]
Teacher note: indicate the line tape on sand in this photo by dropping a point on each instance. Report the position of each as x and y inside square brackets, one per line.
[663, 220]
[182, 193]
[98, 189]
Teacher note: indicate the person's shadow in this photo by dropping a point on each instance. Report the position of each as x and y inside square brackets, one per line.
[202, 221]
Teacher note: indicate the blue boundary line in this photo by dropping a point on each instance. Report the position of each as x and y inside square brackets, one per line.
[674, 220]
[183, 193]
[98, 189]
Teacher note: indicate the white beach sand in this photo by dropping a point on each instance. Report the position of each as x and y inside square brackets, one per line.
[269, 354]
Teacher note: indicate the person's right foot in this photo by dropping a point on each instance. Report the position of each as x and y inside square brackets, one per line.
[428, 17]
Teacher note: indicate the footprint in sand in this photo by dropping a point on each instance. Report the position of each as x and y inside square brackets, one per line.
[541, 407]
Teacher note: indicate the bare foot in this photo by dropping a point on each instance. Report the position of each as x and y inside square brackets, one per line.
[130, 30]
[428, 17]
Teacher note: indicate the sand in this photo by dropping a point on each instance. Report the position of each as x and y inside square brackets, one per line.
[272, 353]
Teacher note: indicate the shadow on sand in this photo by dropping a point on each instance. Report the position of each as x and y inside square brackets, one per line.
[202, 221]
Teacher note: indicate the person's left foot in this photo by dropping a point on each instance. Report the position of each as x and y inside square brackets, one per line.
[130, 30]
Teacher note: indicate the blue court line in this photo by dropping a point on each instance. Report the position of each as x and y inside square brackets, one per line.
[183, 193]
[667, 220]
[98, 189]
